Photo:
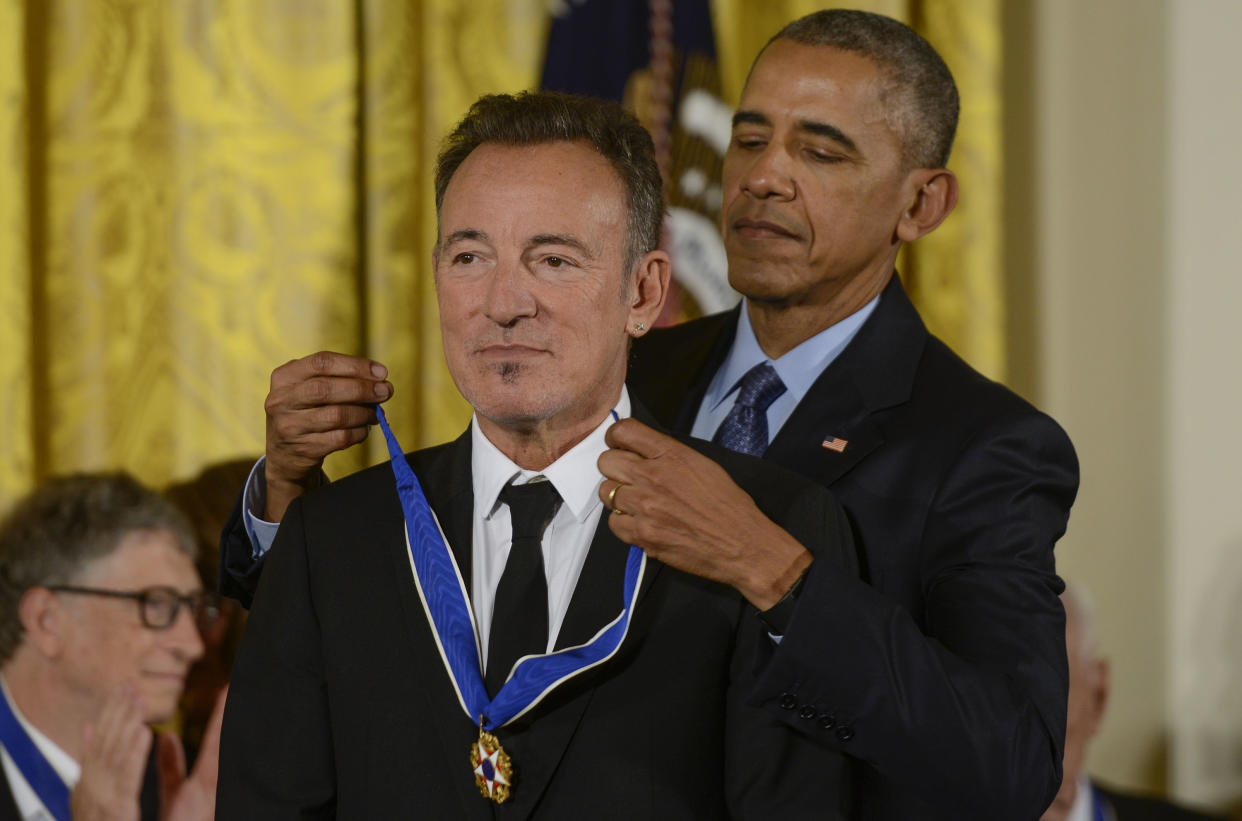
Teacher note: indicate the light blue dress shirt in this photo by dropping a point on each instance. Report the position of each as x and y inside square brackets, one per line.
[798, 369]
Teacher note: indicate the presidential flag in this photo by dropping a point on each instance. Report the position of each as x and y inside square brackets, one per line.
[658, 58]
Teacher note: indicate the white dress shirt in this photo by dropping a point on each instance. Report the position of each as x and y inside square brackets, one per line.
[1084, 801]
[798, 369]
[565, 541]
[28, 804]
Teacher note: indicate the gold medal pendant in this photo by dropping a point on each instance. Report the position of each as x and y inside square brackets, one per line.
[493, 772]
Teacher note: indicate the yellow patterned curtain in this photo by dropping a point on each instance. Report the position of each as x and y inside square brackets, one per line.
[197, 191]
[17, 460]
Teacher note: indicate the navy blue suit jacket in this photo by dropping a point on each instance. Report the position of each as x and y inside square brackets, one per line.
[943, 674]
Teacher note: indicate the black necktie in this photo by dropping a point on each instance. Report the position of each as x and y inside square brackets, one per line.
[745, 429]
[520, 611]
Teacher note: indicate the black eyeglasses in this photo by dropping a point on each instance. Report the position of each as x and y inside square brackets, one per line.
[159, 606]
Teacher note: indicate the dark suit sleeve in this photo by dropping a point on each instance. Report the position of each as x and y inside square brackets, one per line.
[964, 703]
[276, 753]
[239, 570]
[771, 772]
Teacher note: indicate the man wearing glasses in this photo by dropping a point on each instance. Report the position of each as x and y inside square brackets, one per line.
[100, 611]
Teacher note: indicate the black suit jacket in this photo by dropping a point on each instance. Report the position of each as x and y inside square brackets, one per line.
[8, 807]
[1128, 807]
[340, 706]
[944, 675]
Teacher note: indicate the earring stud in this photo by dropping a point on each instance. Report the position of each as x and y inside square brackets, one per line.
[639, 327]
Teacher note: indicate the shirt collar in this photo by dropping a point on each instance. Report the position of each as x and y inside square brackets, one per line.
[68, 769]
[1084, 801]
[798, 369]
[575, 475]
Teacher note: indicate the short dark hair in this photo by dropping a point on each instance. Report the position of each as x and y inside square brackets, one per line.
[535, 118]
[926, 104]
[52, 533]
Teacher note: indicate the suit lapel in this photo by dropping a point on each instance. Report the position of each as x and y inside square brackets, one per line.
[595, 602]
[8, 806]
[831, 410]
[597, 599]
[712, 348]
[671, 369]
[873, 373]
[445, 480]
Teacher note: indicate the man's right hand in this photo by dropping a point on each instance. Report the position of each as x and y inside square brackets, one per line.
[114, 755]
[318, 404]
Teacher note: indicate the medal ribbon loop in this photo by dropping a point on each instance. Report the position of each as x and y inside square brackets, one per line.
[447, 604]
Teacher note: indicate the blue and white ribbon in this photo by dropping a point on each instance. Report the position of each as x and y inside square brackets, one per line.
[447, 604]
[39, 774]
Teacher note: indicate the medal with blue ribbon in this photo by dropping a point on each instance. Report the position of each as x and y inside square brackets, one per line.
[447, 605]
[44, 780]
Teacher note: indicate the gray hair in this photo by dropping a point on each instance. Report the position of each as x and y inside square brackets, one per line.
[51, 534]
[921, 97]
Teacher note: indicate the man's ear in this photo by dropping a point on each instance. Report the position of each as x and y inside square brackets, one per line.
[1099, 680]
[44, 620]
[932, 197]
[648, 287]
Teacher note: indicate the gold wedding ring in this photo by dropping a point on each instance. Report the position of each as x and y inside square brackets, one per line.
[612, 500]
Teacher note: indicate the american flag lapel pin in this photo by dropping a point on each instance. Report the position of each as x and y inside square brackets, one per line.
[835, 443]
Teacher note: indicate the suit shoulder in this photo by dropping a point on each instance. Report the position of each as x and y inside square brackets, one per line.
[376, 485]
[944, 378]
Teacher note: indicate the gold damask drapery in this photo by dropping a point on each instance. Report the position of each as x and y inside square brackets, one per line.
[196, 191]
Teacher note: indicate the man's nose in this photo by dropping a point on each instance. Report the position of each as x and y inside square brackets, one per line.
[768, 174]
[183, 636]
[509, 296]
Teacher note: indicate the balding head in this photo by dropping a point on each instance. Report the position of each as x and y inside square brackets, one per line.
[1088, 695]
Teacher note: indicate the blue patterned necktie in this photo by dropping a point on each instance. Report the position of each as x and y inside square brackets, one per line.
[745, 429]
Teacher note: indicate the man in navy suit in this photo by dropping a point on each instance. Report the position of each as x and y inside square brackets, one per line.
[943, 673]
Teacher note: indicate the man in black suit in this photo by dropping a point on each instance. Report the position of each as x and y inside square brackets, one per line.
[944, 675]
[100, 606]
[391, 671]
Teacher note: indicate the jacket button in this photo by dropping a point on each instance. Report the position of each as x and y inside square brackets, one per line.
[827, 721]
[788, 701]
[844, 734]
[807, 712]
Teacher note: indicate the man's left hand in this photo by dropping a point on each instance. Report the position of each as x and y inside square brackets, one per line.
[191, 798]
[683, 509]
